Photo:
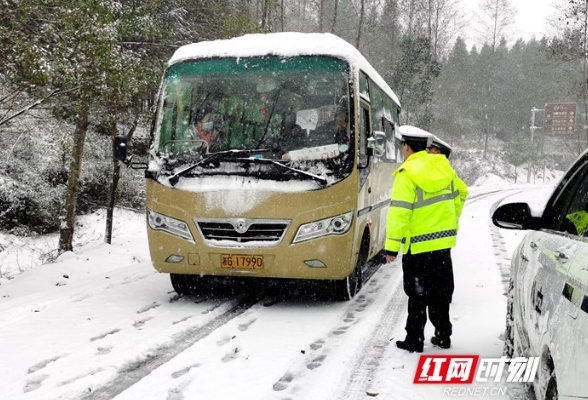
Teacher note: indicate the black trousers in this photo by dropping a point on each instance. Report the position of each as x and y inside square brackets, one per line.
[428, 283]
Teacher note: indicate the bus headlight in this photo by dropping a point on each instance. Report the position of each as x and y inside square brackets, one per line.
[337, 225]
[174, 226]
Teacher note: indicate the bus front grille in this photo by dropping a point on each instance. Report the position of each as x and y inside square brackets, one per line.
[242, 232]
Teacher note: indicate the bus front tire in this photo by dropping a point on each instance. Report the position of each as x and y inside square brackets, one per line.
[346, 289]
[186, 284]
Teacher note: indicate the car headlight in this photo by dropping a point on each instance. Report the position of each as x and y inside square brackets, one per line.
[337, 225]
[171, 225]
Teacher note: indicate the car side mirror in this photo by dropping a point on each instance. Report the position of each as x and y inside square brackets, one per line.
[514, 216]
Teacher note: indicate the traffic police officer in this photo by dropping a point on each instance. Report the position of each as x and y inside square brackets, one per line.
[422, 220]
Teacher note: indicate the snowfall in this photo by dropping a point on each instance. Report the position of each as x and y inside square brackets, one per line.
[101, 323]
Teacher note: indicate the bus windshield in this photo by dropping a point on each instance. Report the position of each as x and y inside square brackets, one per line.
[294, 110]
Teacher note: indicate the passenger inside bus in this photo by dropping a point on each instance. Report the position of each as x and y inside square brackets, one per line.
[334, 131]
[208, 126]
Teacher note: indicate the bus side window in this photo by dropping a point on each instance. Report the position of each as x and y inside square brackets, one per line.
[363, 86]
[364, 133]
[390, 141]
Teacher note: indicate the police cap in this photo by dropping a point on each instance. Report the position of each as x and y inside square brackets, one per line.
[442, 146]
[417, 138]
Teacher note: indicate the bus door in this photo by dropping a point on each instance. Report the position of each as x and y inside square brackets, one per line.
[368, 196]
[385, 163]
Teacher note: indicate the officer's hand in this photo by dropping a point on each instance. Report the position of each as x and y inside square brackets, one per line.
[390, 258]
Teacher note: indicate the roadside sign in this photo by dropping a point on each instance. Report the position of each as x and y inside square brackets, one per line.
[560, 118]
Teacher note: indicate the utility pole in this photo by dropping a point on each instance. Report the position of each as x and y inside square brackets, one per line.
[533, 129]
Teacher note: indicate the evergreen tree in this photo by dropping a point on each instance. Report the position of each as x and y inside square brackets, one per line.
[413, 78]
[451, 99]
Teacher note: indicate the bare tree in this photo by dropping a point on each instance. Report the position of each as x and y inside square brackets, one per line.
[334, 20]
[444, 20]
[496, 19]
[360, 23]
[66, 230]
[321, 14]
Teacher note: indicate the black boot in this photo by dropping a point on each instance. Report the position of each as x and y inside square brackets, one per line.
[410, 345]
[442, 343]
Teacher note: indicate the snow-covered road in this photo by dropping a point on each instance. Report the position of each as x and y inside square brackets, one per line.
[102, 324]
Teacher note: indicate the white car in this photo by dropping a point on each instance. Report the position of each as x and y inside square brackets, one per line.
[547, 313]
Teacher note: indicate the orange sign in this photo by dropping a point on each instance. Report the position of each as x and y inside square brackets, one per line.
[560, 118]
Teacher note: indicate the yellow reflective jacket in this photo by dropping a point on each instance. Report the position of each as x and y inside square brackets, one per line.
[580, 221]
[427, 200]
[463, 194]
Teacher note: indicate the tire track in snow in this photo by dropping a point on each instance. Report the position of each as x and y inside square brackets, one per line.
[370, 355]
[364, 357]
[133, 373]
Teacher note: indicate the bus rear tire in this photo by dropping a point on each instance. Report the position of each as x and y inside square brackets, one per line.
[346, 289]
[186, 284]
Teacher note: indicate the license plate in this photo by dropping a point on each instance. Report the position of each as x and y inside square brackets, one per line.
[240, 261]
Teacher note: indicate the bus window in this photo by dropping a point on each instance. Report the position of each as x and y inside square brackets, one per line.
[364, 133]
[390, 141]
[363, 86]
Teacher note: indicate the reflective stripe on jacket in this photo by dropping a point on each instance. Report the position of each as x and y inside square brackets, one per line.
[425, 205]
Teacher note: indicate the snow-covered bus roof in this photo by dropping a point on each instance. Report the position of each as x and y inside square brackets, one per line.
[287, 44]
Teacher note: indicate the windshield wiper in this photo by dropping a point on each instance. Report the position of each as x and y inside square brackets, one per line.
[210, 157]
[319, 179]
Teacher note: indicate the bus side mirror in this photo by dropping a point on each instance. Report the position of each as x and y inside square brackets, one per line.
[377, 144]
[120, 149]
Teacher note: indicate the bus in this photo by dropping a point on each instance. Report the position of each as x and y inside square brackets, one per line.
[271, 157]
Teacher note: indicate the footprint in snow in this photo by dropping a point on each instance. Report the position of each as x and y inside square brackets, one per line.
[350, 317]
[182, 320]
[245, 326]
[224, 340]
[184, 371]
[364, 305]
[231, 355]
[34, 384]
[317, 362]
[341, 330]
[139, 323]
[148, 307]
[101, 351]
[177, 393]
[44, 363]
[317, 344]
[102, 336]
[282, 383]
